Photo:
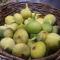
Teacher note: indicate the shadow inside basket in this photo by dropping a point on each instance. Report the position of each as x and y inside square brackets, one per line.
[44, 9]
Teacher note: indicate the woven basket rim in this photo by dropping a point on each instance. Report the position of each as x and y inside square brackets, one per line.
[54, 54]
[47, 4]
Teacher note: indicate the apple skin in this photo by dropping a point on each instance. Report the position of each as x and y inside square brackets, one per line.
[47, 27]
[8, 33]
[38, 50]
[40, 20]
[12, 26]
[21, 36]
[9, 19]
[55, 29]
[2, 29]
[27, 21]
[52, 40]
[7, 43]
[18, 18]
[42, 36]
[20, 49]
[33, 27]
[26, 12]
[50, 18]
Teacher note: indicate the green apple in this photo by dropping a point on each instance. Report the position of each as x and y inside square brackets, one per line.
[18, 18]
[21, 26]
[47, 27]
[21, 36]
[50, 18]
[7, 43]
[33, 15]
[27, 21]
[52, 40]
[21, 49]
[26, 12]
[12, 26]
[55, 29]
[31, 41]
[38, 15]
[9, 19]
[8, 32]
[38, 50]
[40, 20]
[42, 36]
[33, 27]
[2, 29]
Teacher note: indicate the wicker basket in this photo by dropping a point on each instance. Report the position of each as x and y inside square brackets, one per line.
[11, 8]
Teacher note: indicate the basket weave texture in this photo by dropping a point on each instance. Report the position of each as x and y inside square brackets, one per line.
[12, 8]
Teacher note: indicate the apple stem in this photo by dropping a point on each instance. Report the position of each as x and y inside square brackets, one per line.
[26, 5]
[33, 38]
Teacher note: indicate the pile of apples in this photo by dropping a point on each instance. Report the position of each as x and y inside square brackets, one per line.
[29, 34]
